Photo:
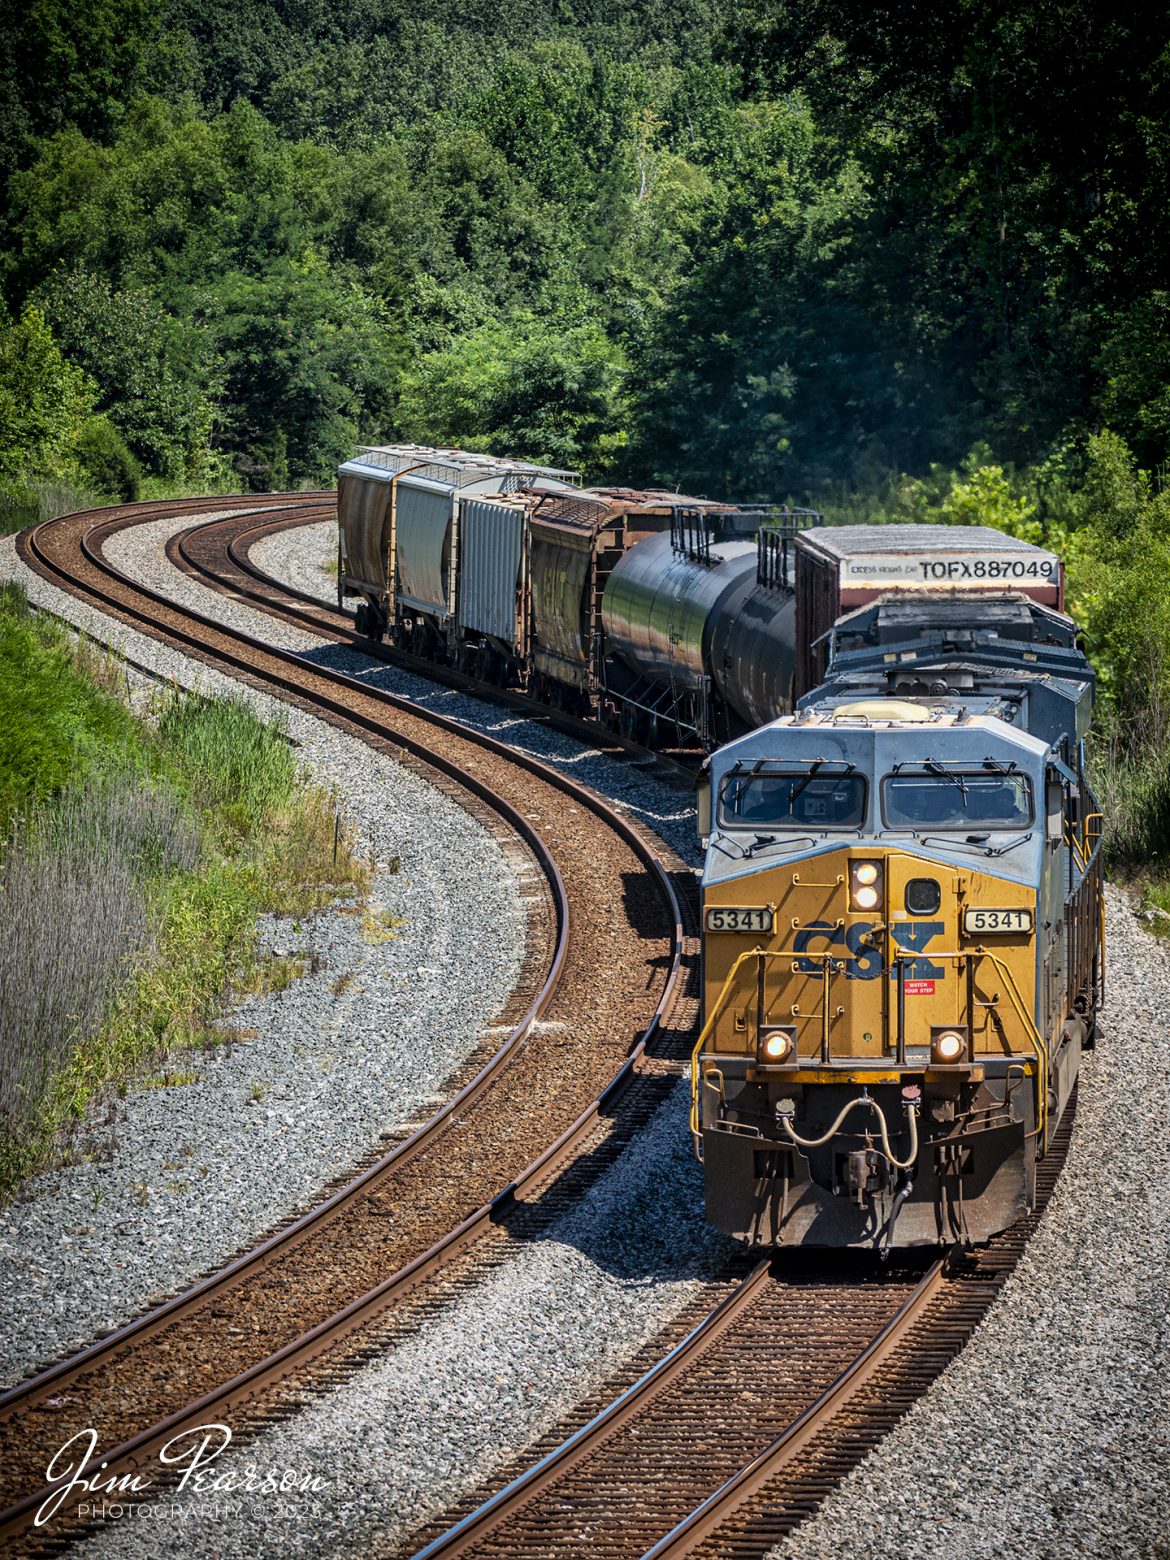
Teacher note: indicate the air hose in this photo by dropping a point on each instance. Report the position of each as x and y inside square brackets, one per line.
[911, 1108]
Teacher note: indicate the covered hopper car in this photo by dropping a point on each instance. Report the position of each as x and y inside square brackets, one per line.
[663, 616]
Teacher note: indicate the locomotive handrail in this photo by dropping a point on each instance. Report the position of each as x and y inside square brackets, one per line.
[717, 1011]
[825, 957]
[1086, 846]
[1030, 1025]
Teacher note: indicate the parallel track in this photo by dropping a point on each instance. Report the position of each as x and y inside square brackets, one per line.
[734, 1437]
[739, 1432]
[606, 864]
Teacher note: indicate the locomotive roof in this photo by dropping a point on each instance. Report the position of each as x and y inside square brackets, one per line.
[845, 541]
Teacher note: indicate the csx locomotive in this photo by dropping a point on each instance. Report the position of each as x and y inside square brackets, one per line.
[902, 900]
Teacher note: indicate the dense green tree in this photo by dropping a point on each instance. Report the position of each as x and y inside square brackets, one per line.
[1018, 157]
[44, 401]
[68, 65]
[861, 241]
[308, 361]
[523, 387]
[106, 460]
[155, 374]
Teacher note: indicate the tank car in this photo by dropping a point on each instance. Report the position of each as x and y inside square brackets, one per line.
[699, 623]
[902, 902]
[657, 614]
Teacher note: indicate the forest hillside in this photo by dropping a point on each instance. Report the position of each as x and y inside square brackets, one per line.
[901, 262]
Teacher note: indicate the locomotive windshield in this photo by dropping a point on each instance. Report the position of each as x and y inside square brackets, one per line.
[794, 799]
[955, 799]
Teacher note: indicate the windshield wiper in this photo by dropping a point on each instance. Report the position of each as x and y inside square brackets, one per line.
[1002, 850]
[973, 841]
[940, 769]
[802, 782]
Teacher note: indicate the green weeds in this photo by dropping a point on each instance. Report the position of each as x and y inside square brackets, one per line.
[135, 860]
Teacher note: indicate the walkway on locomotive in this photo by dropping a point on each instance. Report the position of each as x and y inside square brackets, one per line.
[944, 815]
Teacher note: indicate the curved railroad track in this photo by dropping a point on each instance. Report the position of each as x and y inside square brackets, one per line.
[218, 552]
[614, 980]
[738, 1433]
[730, 1439]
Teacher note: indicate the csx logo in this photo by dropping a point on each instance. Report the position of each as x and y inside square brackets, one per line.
[866, 960]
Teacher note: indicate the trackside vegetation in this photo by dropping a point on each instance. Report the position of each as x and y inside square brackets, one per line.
[137, 854]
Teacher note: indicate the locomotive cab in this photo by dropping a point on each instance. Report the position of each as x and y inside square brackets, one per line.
[898, 969]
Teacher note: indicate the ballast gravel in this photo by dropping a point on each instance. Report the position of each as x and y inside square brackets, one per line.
[1049, 1436]
[395, 1443]
[200, 1159]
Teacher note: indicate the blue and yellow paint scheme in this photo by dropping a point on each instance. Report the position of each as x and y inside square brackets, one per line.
[901, 959]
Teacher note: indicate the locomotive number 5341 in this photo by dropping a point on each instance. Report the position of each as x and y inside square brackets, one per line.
[734, 918]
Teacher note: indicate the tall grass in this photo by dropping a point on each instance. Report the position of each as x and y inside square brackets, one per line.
[1133, 788]
[133, 863]
[234, 764]
[60, 719]
[1129, 762]
[41, 498]
[75, 908]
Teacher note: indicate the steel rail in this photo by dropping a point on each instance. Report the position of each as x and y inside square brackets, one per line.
[294, 1356]
[585, 1441]
[922, 1336]
[332, 622]
[722, 1503]
[463, 1536]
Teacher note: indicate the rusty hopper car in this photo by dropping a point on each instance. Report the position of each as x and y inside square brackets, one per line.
[576, 542]
[599, 601]
[400, 510]
[902, 909]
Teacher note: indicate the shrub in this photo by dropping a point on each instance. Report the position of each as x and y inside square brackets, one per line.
[106, 460]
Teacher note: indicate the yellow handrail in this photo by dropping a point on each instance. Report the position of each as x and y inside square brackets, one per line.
[717, 1010]
[1030, 1025]
[777, 953]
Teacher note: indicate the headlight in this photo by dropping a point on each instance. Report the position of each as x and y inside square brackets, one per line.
[948, 1045]
[865, 885]
[775, 1045]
